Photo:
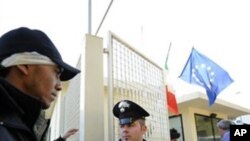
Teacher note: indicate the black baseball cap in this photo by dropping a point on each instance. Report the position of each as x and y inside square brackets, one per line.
[24, 39]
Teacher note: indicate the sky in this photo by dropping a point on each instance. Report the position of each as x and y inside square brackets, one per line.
[219, 29]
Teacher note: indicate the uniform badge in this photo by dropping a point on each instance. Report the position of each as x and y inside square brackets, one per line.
[123, 105]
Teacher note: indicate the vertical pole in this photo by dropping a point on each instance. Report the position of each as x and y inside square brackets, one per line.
[110, 90]
[89, 17]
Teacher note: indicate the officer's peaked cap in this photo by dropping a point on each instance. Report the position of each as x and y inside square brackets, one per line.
[127, 112]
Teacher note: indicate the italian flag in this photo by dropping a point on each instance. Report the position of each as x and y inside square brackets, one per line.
[171, 100]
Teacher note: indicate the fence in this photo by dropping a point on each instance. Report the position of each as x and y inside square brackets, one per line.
[134, 77]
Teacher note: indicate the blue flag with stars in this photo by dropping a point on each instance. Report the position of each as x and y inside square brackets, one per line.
[202, 71]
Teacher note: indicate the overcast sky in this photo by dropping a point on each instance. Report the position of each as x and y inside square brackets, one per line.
[219, 29]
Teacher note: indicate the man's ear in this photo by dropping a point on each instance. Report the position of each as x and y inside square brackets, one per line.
[23, 68]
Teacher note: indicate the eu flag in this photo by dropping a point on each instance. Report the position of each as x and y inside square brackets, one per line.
[202, 71]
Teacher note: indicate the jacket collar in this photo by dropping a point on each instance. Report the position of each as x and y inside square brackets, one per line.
[18, 102]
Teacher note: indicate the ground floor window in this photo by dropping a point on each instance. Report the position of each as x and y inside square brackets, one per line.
[206, 127]
[176, 122]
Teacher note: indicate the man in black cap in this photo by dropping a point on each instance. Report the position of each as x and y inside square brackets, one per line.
[31, 71]
[131, 119]
[174, 134]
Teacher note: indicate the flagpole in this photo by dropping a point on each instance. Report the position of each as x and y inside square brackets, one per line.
[166, 62]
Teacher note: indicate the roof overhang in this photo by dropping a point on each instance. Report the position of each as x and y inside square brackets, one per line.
[199, 100]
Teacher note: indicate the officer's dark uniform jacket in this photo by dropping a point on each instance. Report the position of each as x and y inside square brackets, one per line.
[20, 118]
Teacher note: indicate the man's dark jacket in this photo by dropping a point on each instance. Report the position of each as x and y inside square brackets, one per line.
[20, 118]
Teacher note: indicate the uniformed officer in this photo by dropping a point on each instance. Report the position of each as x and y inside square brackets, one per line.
[131, 120]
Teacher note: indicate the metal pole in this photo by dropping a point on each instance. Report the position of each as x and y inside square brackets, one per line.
[89, 17]
[103, 18]
[110, 89]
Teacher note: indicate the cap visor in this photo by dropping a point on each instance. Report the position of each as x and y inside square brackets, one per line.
[68, 71]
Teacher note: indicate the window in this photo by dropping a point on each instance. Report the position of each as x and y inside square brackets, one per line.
[176, 122]
[206, 128]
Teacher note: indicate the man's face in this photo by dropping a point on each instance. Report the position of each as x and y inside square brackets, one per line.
[43, 83]
[133, 131]
[221, 132]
